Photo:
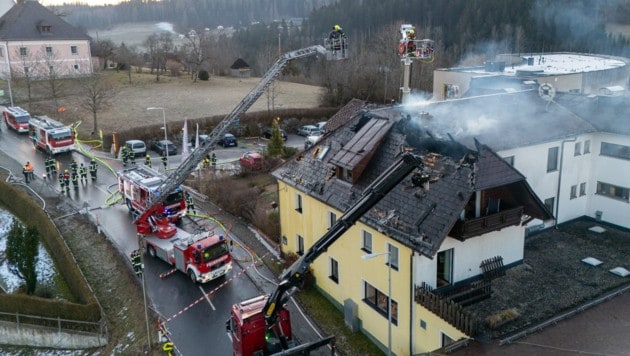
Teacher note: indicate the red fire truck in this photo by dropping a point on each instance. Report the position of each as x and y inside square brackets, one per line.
[16, 118]
[50, 136]
[203, 257]
[138, 186]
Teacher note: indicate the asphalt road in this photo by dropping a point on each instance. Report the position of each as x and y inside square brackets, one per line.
[194, 314]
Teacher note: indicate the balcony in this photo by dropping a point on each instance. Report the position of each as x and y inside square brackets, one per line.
[478, 226]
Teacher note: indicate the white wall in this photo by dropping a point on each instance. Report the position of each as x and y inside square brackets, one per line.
[467, 256]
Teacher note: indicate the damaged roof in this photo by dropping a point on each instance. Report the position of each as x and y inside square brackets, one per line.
[421, 210]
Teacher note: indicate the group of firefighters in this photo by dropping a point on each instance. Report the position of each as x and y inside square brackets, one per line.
[128, 156]
[76, 172]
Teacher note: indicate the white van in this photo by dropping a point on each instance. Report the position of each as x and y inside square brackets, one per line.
[137, 147]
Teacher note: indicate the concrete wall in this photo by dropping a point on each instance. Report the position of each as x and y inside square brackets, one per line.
[39, 336]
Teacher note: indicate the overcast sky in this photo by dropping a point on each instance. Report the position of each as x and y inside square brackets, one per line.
[89, 2]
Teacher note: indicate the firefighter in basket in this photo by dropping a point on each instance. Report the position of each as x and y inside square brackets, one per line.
[336, 37]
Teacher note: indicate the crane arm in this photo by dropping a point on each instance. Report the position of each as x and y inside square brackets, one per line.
[294, 275]
[179, 175]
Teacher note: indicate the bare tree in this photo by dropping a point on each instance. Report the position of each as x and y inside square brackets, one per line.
[125, 57]
[97, 94]
[194, 51]
[164, 49]
[29, 71]
[104, 49]
[53, 74]
[151, 44]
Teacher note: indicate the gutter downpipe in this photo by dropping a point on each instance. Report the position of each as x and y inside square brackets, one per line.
[560, 178]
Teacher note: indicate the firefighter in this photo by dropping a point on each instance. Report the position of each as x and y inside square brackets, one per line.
[132, 156]
[190, 204]
[61, 182]
[66, 180]
[214, 161]
[411, 45]
[74, 176]
[93, 169]
[48, 165]
[27, 170]
[136, 261]
[124, 155]
[206, 162]
[83, 173]
[164, 161]
[147, 160]
[74, 166]
[53, 165]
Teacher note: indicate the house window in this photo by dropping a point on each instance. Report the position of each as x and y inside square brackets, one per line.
[393, 256]
[445, 268]
[582, 189]
[587, 146]
[549, 203]
[423, 324]
[366, 241]
[613, 191]
[1, 51]
[614, 150]
[300, 245]
[446, 340]
[23, 52]
[285, 241]
[74, 50]
[334, 270]
[379, 302]
[573, 191]
[332, 218]
[552, 159]
[51, 70]
[577, 150]
[49, 51]
[509, 160]
[76, 67]
[298, 203]
[26, 71]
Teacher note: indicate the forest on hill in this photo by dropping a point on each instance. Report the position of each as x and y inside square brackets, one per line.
[465, 32]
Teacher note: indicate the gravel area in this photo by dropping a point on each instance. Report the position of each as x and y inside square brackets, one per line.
[553, 279]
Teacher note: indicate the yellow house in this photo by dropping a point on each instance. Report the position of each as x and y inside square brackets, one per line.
[426, 240]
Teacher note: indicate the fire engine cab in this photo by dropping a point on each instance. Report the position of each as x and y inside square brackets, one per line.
[16, 118]
[138, 184]
[50, 136]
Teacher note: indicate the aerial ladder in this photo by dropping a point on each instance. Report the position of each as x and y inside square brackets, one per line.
[244, 326]
[179, 175]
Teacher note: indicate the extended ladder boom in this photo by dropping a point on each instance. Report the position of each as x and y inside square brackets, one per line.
[178, 176]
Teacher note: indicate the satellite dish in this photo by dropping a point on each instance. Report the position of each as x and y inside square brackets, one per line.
[546, 91]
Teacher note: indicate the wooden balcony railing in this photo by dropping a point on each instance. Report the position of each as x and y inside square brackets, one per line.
[478, 226]
[447, 310]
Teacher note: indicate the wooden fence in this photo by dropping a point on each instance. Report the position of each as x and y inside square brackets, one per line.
[449, 311]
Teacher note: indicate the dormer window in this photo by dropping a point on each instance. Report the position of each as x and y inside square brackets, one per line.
[44, 28]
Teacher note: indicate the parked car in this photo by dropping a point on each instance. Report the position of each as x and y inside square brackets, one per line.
[313, 139]
[321, 126]
[308, 130]
[252, 161]
[267, 132]
[193, 139]
[162, 146]
[138, 147]
[228, 140]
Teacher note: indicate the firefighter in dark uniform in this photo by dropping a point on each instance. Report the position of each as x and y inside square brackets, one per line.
[66, 180]
[132, 156]
[124, 155]
[147, 160]
[53, 165]
[190, 204]
[93, 169]
[74, 176]
[48, 165]
[164, 161]
[136, 261]
[74, 166]
[61, 182]
[214, 161]
[83, 172]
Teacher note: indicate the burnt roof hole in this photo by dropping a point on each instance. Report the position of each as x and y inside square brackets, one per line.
[365, 117]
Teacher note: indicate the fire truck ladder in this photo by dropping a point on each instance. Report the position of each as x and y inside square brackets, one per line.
[178, 176]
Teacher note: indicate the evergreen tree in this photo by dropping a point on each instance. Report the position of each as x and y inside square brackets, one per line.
[22, 251]
[275, 146]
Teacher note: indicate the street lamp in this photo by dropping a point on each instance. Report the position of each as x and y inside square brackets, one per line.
[165, 137]
[389, 296]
